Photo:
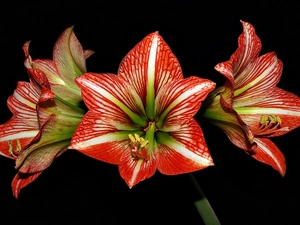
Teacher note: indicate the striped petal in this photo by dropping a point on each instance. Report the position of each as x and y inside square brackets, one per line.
[99, 137]
[280, 103]
[24, 100]
[182, 151]
[45, 65]
[69, 62]
[23, 126]
[54, 137]
[148, 67]
[69, 57]
[22, 180]
[259, 78]
[236, 134]
[58, 86]
[135, 170]
[179, 101]
[16, 134]
[112, 96]
[38, 158]
[268, 153]
[249, 47]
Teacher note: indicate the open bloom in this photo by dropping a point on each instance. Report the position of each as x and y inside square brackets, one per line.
[249, 108]
[45, 110]
[142, 118]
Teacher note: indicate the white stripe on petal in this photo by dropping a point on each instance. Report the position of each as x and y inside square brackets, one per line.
[150, 94]
[181, 149]
[135, 173]
[268, 111]
[19, 135]
[109, 137]
[269, 153]
[24, 100]
[151, 62]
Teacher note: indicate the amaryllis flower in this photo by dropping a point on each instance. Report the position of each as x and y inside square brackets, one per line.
[142, 118]
[45, 111]
[69, 61]
[249, 108]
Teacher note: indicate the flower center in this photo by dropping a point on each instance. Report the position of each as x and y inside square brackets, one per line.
[142, 147]
[137, 146]
[268, 124]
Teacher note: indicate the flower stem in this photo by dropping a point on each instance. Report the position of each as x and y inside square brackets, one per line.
[203, 206]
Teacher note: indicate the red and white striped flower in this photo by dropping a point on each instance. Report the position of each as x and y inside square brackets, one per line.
[45, 110]
[249, 108]
[142, 118]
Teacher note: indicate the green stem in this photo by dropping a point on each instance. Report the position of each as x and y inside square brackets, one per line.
[203, 206]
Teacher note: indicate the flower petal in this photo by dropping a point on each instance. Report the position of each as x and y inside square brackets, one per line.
[98, 137]
[149, 66]
[180, 100]
[16, 133]
[182, 151]
[24, 100]
[268, 153]
[22, 180]
[112, 96]
[39, 79]
[40, 158]
[249, 47]
[58, 85]
[258, 78]
[280, 103]
[69, 57]
[236, 134]
[135, 170]
[45, 65]
[54, 137]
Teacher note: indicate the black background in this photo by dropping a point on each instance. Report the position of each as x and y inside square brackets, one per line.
[76, 189]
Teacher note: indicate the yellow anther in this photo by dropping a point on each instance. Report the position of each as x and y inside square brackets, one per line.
[137, 147]
[272, 118]
[14, 151]
[144, 143]
[131, 137]
[263, 119]
[10, 147]
[278, 120]
[269, 119]
[18, 147]
[137, 137]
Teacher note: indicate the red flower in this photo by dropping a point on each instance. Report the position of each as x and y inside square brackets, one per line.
[249, 108]
[142, 118]
[45, 110]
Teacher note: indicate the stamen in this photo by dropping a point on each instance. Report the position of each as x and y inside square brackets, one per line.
[14, 151]
[144, 143]
[268, 124]
[137, 146]
[265, 120]
[131, 137]
[137, 137]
